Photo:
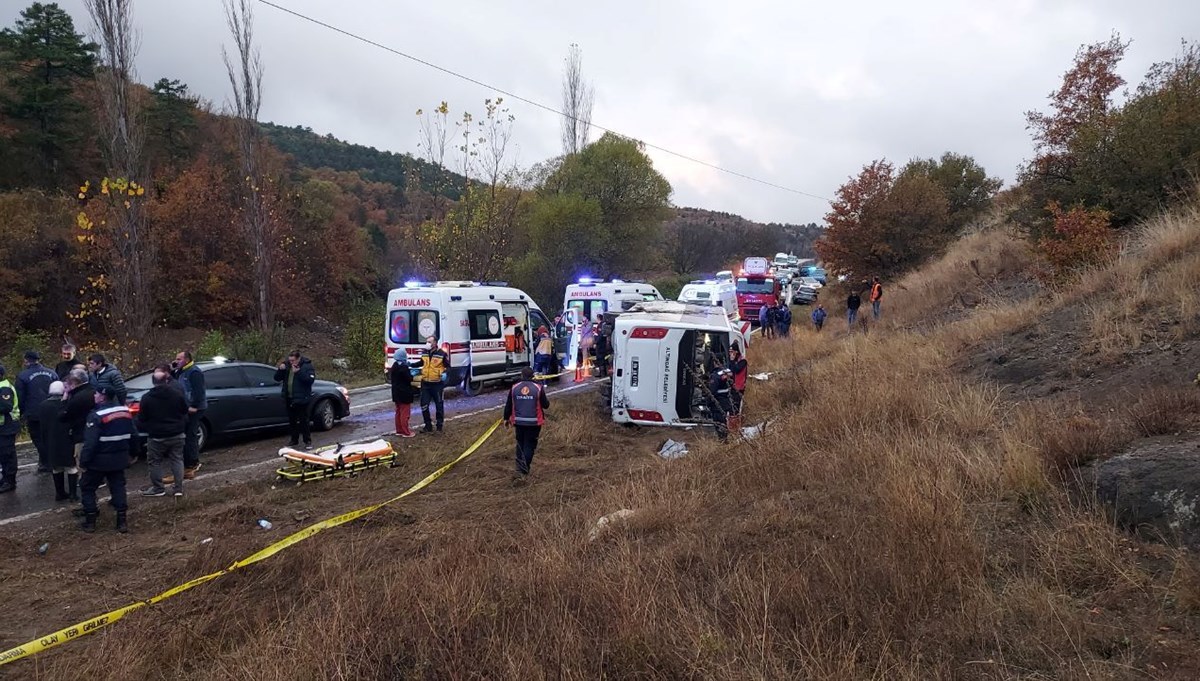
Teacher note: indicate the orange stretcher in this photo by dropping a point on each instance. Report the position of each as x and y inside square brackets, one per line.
[334, 461]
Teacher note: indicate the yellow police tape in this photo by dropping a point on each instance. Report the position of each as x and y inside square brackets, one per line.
[96, 623]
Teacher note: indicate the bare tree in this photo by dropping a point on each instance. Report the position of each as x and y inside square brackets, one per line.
[577, 97]
[245, 77]
[433, 134]
[129, 268]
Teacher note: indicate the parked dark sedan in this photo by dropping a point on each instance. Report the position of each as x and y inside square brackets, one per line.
[244, 396]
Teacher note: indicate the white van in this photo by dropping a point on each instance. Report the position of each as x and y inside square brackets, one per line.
[712, 292]
[592, 298]
[658, 366]
[724, 275]
[487, 329]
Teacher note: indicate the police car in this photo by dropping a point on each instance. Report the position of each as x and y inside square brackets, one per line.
[488, 329]
[661, 353]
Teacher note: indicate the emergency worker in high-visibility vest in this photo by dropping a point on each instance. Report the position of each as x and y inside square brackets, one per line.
[525, 411]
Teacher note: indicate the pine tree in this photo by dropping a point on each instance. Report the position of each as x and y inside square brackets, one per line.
[45, 59]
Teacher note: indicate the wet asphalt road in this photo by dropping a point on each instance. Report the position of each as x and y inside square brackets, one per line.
[371, 415]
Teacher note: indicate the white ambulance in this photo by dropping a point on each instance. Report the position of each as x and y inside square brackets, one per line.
[660, 353]
[487, 329]
[722, 294]
[592, 298]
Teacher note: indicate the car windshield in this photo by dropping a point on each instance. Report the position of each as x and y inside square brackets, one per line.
[745, 285]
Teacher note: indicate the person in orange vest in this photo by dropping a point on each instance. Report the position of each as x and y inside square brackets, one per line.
[525, 412]
[876, 297]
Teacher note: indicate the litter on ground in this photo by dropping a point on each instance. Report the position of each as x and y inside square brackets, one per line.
[605, 521]
[751, 432]
[673, 450]
[762, 376]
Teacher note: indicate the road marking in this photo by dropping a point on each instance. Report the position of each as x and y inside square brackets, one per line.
[275, 460]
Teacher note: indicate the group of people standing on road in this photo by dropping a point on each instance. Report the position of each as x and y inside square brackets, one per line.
[85, 435]
[524, 410]
[775, 320]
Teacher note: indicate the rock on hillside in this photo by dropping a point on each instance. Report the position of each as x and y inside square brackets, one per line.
[1154, 489]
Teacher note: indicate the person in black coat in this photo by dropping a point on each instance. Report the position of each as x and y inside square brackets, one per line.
[79, 400]
[296, 376]
[163, 416]
[69, 360]
[401, 378]
[56, 438]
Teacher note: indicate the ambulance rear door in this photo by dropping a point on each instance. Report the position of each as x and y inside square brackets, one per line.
[412, 317]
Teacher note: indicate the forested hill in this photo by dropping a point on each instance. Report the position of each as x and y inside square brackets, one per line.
[326, 151]
[699, 240]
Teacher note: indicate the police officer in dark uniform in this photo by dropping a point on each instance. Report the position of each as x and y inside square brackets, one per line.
[525, 411]
[719, 404]
[109, 443]
[33, 386]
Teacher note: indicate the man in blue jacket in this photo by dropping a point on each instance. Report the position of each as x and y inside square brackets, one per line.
[191, 379]
[296, 375]
[109, 444]
[33, 386]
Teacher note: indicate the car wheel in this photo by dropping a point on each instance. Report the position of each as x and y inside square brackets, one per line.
[324, 416]
[205, 432]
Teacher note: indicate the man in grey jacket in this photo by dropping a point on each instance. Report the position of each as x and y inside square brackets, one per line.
[105, 375]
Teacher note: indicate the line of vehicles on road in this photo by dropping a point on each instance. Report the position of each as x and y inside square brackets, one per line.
[489, 330]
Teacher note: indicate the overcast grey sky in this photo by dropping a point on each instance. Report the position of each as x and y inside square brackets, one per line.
[801, 94]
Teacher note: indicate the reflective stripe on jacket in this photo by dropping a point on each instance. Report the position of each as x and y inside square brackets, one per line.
[110, 438]
[527, 404]
[433, 365]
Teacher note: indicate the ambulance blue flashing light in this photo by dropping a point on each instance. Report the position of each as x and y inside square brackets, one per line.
[412, 284]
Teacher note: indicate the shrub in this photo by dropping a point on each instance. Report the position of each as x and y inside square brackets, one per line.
[362, 341]
[1163, 411]
[214, 344]
[1076, 441]
[256, 346]
[24, 340]
[1081, 237]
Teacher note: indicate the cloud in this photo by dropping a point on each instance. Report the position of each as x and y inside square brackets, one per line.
[799, 94]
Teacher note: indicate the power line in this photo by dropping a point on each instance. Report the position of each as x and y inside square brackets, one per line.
[531, 102]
